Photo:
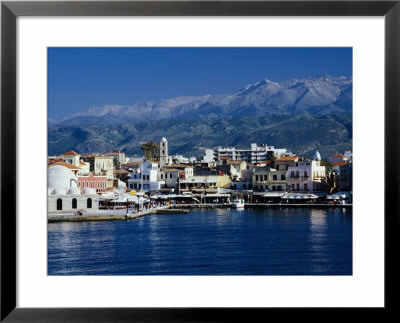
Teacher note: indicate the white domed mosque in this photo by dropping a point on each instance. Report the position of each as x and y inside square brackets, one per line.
[317, 156]
[64, 194]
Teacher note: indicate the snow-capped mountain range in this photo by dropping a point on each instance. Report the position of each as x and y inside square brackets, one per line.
[313, 96]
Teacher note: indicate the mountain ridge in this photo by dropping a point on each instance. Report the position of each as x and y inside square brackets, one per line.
[307, 96]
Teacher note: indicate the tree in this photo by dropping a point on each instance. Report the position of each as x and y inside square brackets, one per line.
[151, 151]
[116, 163]
[272, 159]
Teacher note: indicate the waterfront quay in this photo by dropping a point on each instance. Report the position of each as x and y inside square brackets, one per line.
[122, 214]
[260, 205]
[110, 215]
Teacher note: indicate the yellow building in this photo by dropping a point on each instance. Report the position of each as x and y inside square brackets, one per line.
[269, 179]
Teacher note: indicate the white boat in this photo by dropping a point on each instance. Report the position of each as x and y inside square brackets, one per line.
[238, 204]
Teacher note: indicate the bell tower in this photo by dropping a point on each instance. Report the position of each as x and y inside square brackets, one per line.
[163, 152]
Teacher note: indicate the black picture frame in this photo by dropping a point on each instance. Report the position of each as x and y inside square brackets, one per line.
[10, 10]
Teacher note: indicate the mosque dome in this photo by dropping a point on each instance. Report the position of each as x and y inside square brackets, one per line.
[88, 191]
[74, 191]
[61, 177]
[317, 156]
[59, 191]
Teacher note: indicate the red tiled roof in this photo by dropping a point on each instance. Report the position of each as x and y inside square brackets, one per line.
[70, 152]
[287, 158]
[341, 163]
[65, 165]
[338, 156]
[53, 161]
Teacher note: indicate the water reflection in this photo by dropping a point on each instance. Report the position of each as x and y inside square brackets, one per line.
[318, 239]
[207, 242]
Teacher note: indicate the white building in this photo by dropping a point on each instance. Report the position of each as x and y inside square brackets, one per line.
[256, 153]
[145, 177]
[65, 195]
[307, 175]
[209, 156]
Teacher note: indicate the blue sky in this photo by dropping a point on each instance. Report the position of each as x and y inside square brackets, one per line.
[80, 78]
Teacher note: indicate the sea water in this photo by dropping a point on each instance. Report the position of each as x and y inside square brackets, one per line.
[269, 241]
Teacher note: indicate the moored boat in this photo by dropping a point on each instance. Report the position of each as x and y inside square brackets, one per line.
[238, 204]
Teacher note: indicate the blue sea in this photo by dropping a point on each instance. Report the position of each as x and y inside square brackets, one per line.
[269, 241]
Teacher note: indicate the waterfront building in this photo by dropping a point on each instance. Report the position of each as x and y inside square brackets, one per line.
[338, 158]
[145, 178]
[101, 165]
[209, 156]
[269, 179]
[84, 168]
[307, 175]
[71, 157]
[346, 177]
[242, 186]
[256, 153]
[98, 183]
[283, 163]
[122, 174]
[64, 193]
[180, 159]
[171, 177]
[118, 155]
[204, 184]
[203, 170]
[187, 169]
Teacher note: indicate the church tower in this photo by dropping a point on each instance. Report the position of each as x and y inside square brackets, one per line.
[163, 152]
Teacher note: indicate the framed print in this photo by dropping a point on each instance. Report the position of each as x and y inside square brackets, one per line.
[203, 89]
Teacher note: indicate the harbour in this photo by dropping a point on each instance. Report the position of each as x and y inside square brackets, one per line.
[126, 214]
[207, 241]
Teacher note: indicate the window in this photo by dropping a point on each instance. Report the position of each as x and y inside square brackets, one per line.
[283, 177]
[275, 177]
[305, 174]
[265, 177]
[59, 204]
[261, 187]
[277, 167]
[298, 187]
[162, 176]
[89, 203]
[292, 173]
[74, 203]
[256, 178]
[305, 187]
[297, 174]
[170, 175]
